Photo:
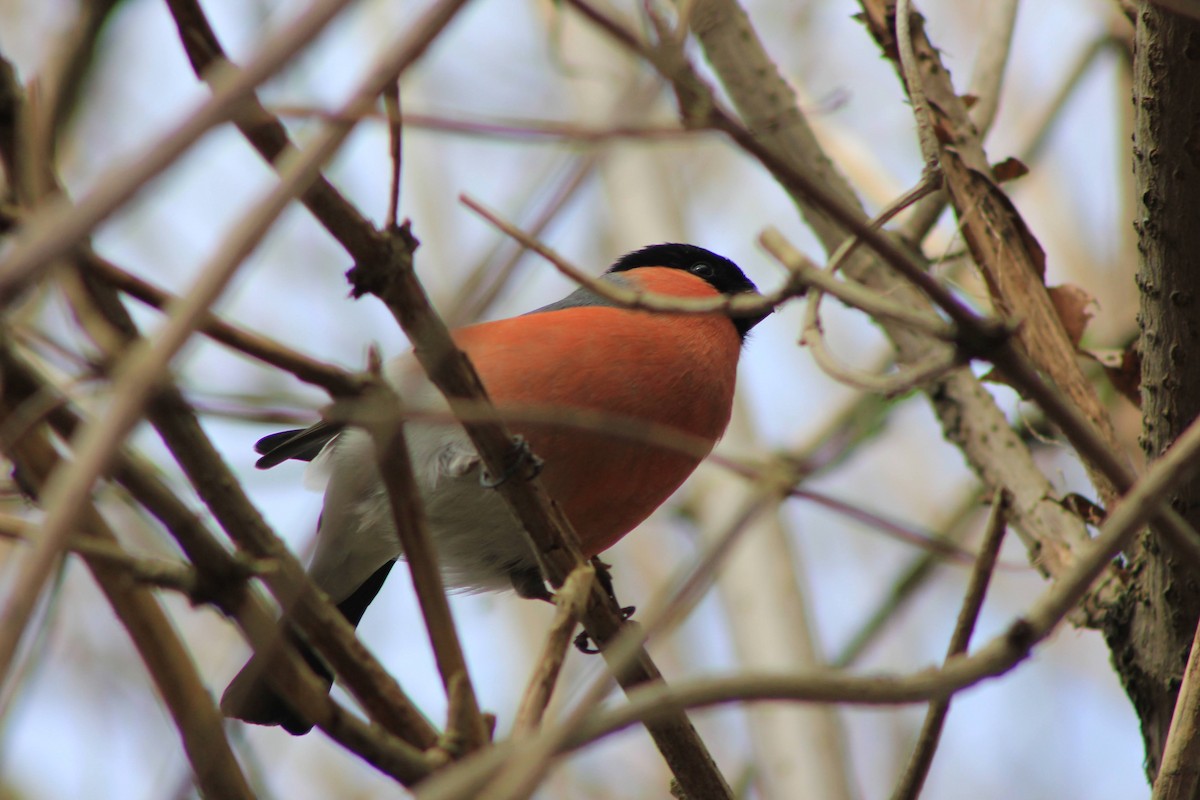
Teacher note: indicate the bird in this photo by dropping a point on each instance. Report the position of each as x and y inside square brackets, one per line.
[584, 352]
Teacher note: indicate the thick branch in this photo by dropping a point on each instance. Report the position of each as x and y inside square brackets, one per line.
[1151, 638]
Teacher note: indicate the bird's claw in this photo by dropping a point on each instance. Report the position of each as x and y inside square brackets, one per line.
[583, 640]
[520, 457]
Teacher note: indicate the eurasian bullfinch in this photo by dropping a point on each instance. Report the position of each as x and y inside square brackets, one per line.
[582, 352]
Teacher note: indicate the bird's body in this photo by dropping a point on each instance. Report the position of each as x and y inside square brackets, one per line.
[582, 354]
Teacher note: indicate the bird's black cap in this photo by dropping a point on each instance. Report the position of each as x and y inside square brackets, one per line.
[724, 275]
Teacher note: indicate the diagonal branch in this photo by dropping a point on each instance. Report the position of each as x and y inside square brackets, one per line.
[909, 787]
[55, 231]
[552, 539]
[408, 515]
[167, 660]
[268, 136]
[137, 378]
[999, 240]
[221, 580]
[676, 737]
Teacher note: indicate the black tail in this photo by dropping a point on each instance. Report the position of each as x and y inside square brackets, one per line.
[249, 696]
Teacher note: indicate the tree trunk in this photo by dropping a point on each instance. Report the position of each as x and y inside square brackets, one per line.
[1151, 635]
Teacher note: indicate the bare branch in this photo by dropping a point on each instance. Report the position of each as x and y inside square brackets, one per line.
[138, 375]
[1179, 770]
[408, 515]
[168, 661]
[552, 539]
[391, 104]
[571, 603]
[909, 787]
[334, 380]
[54, 231]
[732, 305]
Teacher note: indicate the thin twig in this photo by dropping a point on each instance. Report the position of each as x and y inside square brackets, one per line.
[515, 129]
[912, 79]
[1179, 769]
[408, 516]
[852, 294]
[472, 300]
[137, 378]
[1053, 112]
[391, 105]
[987, 73]
[334, 380]
[909, 787]
[151, 571]
[570, 603]
[53, 232]
[484, 284]
[731, 305]
[1001, 654]
[903, 588]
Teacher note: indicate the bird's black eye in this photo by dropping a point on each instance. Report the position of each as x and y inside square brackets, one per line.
[702, 269]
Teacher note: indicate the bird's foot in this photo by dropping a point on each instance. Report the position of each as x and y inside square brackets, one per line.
[583, 642]
[521, 459]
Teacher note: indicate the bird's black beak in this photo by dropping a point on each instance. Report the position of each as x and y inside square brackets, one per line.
[744, 324]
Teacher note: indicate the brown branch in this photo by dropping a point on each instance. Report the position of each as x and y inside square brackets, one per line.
[1179, 770]
[221, 580]
[391, 104]
[909, 787]
[732, 305]
[552, 539]
[478, 292]
[334, 380]
[570, 604]
[166, 659]
[1001, 243]
[408, 515]
[137, 378]
[53, 232]
[987, 75]
[157, 572]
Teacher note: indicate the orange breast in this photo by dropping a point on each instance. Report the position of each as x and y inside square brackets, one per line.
[672, 370]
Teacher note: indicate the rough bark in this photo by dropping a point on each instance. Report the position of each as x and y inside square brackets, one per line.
[1152, 634]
